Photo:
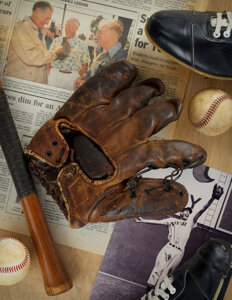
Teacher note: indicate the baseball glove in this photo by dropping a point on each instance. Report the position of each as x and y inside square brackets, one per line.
[66, 49]
[89, 156]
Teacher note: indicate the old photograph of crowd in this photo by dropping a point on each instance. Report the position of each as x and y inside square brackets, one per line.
[58, 45]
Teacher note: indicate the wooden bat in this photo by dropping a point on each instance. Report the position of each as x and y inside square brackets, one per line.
[56, 279]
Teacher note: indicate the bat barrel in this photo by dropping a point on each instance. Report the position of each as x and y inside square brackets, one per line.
[56, 279]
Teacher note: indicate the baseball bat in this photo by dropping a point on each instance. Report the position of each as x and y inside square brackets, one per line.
[56, 279]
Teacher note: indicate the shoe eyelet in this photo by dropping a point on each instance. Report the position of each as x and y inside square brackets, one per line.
[226, 34]
[216, 35]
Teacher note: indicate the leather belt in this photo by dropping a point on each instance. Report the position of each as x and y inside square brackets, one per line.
[175, 246]
[65, 72]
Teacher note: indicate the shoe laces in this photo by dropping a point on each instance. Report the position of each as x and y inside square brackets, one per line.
[222, 20]
[159, 293]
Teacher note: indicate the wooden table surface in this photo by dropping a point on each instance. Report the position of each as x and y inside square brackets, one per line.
[83, 266]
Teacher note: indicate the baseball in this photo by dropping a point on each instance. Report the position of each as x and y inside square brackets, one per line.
[210, 111]
[14, 261]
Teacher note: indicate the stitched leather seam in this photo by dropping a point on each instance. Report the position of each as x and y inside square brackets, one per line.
[19, 266]
[210, 112]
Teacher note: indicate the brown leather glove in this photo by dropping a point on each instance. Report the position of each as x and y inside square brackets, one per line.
[89, 154]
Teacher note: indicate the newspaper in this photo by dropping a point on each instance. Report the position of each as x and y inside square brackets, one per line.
[33, 103]
[129, 265]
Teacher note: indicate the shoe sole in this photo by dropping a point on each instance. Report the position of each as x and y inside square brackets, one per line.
[182, 63]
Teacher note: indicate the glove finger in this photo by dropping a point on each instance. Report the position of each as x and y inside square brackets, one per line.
[155, 83]
[100, 89]
[127, 102]
[161, 154]
[141, 125]
[134, 98]
[111, 80]
[124, 105]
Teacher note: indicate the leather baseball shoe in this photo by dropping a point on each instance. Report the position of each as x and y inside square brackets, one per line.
[200, 278]
[202, 41]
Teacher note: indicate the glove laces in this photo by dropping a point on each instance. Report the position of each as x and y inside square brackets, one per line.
[222, 20]
[132, 183]
[168, 180]
[163, 293]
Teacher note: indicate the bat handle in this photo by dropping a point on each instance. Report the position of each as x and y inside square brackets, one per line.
[56, 279]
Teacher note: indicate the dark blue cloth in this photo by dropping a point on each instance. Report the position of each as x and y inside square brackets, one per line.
[48, 40]
[40, 34]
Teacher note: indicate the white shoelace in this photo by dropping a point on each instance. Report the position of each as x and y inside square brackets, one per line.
[157, 292]
[221, 21]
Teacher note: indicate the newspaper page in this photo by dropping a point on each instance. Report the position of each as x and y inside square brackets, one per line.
[37, 84]
[130, 263]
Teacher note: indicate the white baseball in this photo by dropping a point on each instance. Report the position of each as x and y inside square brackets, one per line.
[210, 111]
[14, 261]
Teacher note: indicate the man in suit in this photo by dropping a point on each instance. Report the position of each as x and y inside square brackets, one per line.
[28, 57]
[109, 33]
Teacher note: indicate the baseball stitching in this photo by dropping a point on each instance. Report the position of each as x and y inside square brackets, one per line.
[210, 112]
[19, 266]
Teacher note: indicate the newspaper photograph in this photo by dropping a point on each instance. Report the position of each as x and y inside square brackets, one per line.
[138, 248]
[46, 56]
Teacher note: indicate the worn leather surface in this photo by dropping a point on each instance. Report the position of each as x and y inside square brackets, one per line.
[200, 276]
[188, 36]
[88, 155]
